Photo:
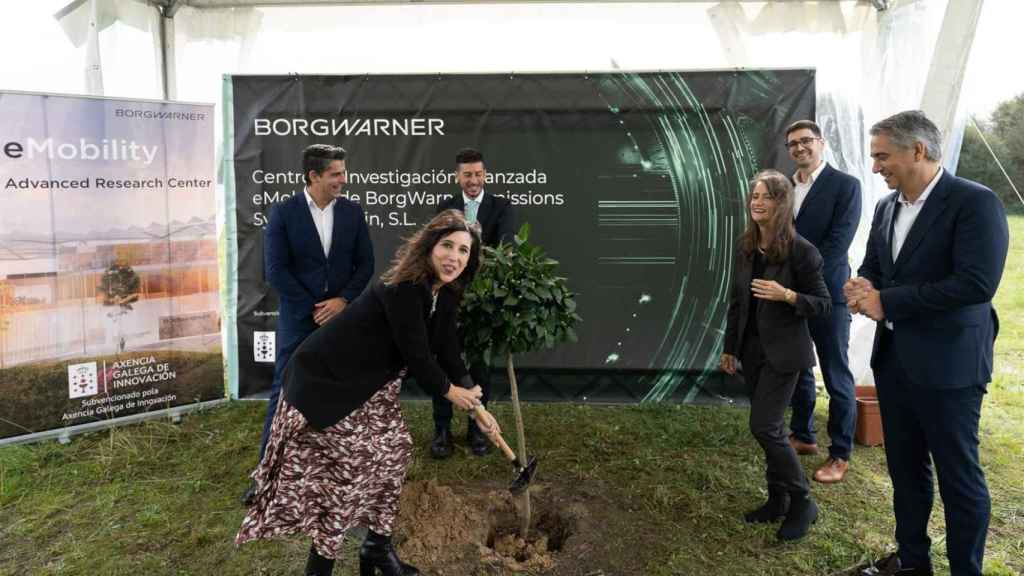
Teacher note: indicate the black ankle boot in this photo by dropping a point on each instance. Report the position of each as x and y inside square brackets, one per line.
[377, 553]
[317, 565]
[441, 446]
[478, 443]
[772, 510]
[802, 513]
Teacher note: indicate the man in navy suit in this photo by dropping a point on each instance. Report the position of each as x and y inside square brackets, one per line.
[317, 256]
[827, 210]
[497, 224]
[933, 262]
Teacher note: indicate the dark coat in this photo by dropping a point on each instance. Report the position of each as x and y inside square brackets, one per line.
[782, 328]
[828, 218]
[388, 328]
[938, 293]
[295, 263]
[497, 221]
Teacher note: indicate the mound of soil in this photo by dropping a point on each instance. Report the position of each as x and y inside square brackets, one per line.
[451, 532]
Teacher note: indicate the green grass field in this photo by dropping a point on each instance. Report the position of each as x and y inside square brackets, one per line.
[158, 498]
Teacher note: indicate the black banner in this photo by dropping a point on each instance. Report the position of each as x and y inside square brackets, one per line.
[635, 182]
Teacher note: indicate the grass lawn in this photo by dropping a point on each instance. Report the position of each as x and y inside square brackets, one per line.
[671, 483]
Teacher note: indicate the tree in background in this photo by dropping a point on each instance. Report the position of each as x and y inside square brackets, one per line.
[1004, 132]
[120, 287]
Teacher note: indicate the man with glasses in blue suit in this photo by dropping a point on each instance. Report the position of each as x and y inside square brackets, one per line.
[827, 206]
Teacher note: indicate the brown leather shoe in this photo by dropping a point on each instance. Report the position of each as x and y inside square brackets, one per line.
[802, 448]
[832, 471]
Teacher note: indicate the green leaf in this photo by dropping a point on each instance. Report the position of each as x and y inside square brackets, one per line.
[517, 303]
[524, 234]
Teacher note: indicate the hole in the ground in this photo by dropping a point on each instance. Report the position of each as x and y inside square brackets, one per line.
[549, 531]
[558, 527]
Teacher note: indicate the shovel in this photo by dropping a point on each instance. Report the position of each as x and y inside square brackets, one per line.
[524, 473]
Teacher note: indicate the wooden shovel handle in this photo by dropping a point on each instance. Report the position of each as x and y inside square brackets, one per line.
[496, 437]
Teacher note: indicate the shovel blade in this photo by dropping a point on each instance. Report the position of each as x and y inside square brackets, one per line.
[524, 477]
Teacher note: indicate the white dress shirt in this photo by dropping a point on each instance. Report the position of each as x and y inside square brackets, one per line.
[905, 221]
[908, 214]
[801, 189]
[323, 220]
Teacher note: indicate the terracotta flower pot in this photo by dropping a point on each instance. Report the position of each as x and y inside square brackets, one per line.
[869, 419]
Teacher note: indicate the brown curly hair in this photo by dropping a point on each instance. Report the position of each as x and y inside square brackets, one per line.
[412, 260]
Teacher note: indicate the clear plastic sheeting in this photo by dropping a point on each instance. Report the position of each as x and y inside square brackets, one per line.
[869, 63]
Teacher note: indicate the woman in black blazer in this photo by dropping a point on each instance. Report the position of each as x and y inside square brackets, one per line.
[777, 285]
[339, 449]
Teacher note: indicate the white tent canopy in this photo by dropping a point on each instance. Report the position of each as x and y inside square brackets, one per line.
[872, 58]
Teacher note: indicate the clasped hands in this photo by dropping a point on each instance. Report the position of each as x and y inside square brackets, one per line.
[863, 298]
[469, 399]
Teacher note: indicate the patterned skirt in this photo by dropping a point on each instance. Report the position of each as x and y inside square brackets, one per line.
[321, 484]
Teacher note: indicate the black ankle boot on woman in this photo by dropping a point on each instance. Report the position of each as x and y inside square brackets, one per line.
[801, 514]
[772, 510]
[378, 556]
[317, 565]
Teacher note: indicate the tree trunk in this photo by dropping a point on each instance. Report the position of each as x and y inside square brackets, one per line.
[524, 526]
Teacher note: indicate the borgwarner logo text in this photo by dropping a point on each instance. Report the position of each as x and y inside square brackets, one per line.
[348, 126]
[144, 114]
[82, 149]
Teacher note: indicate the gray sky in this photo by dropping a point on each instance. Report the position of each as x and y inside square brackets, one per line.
[994, 72]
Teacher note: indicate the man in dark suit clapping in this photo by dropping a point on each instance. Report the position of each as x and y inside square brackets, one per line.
[317, 256]
[497, 224]
[934, 259]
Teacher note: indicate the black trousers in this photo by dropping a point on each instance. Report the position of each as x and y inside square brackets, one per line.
[922, 426]
[481, 376]
[770, 394]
